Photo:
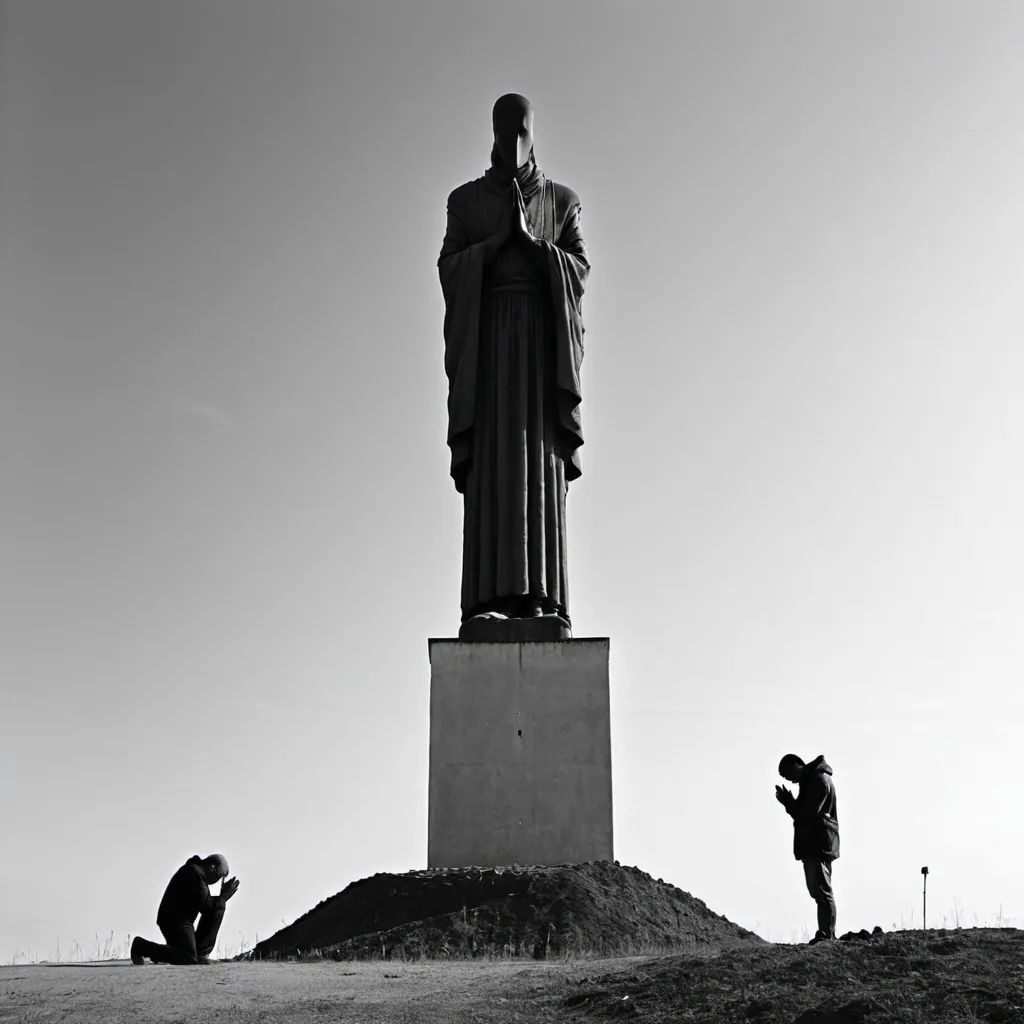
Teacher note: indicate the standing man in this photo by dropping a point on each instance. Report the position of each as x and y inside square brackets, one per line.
[815, 832]
[186, 897]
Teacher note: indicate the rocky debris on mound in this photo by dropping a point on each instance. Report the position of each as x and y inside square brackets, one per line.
[852, 1012]
[861, 935]
[909, 977]
[597, 907]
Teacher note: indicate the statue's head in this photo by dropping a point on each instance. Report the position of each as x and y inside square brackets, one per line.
[512, 119]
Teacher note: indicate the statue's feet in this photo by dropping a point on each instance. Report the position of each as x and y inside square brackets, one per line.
[520, 608]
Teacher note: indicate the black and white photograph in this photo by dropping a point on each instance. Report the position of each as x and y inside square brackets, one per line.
[511, 512]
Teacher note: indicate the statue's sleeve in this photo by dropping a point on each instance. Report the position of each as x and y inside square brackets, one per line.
[460, 267]
[569, 268]
[570, 253]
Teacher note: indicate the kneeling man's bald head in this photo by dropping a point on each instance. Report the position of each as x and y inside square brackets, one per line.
[216, 866]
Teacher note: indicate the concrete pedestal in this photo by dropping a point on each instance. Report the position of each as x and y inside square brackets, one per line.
[520, 753]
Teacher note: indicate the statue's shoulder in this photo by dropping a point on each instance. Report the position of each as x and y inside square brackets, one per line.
[564, 194]
[466, 193]
[566, 200]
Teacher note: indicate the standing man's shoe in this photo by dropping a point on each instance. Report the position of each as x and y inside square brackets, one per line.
[137, 957]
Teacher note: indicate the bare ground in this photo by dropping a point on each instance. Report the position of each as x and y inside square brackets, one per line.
[290, 993]
[900, 978]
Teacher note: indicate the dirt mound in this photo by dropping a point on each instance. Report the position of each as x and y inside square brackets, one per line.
[595, 908]
[906, 977]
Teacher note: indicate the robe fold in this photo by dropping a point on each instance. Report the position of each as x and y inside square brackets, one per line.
[513, 347]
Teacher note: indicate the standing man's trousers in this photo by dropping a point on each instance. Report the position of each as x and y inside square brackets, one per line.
[185, 944]
[818, 875]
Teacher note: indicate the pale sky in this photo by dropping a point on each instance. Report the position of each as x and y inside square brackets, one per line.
[228, 528]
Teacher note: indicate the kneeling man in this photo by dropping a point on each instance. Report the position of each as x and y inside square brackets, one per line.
[186, 897]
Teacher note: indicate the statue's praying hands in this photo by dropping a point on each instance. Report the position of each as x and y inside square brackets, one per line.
[520, 220]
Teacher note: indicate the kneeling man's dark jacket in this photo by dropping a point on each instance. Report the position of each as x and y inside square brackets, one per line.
[187, 895]
[815, 814]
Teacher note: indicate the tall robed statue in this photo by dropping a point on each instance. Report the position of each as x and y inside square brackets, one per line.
[513, 266]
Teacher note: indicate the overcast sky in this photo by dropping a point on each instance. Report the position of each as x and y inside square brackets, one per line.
[227, 524]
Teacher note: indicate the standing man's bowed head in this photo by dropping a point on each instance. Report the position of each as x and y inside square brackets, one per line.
[815, 815]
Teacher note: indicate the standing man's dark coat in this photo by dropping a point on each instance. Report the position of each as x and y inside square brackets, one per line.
[815, 814]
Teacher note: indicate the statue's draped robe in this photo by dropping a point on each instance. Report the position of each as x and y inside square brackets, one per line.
[513, 346]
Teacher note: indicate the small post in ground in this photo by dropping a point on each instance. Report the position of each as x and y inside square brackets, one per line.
[924, 899]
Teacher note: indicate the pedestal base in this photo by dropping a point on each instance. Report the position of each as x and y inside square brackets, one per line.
[520, 753]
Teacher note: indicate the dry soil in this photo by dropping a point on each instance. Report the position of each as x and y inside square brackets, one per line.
[594, 909]
[290, 993]
[900, 978]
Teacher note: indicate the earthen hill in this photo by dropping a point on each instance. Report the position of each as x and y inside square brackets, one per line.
[598, 908]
